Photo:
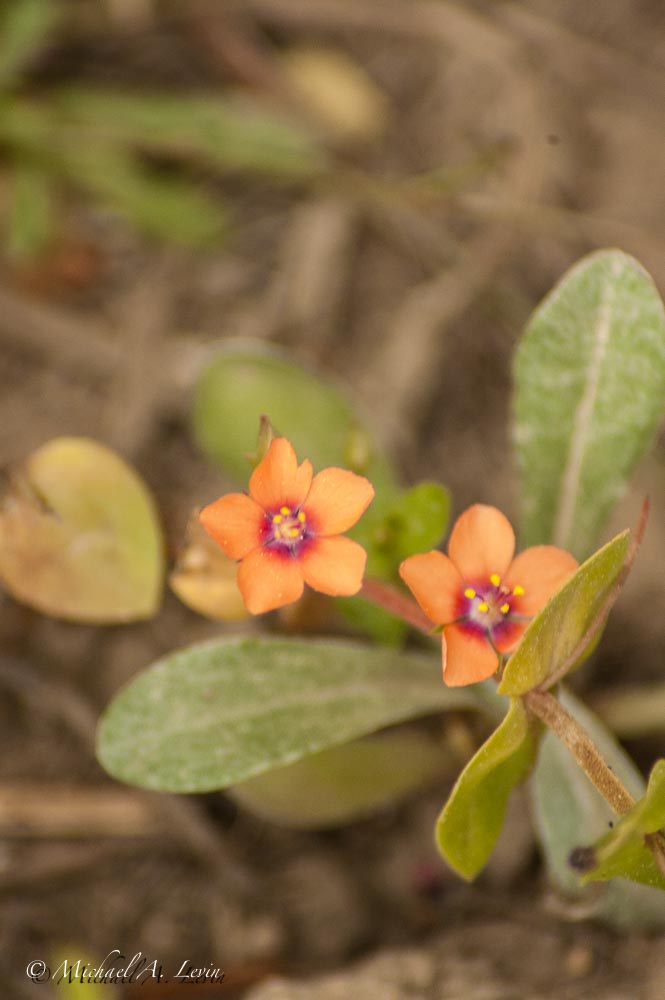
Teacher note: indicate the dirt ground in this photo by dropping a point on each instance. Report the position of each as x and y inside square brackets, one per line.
[417, 309]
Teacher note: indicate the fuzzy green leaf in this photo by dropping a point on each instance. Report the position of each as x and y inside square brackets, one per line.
[218, 713]
[472, 818]
[343, 783]
[556, 635]
[569, 813]
[589, 397]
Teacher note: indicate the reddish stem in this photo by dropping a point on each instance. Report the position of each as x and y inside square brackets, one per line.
[396, 603]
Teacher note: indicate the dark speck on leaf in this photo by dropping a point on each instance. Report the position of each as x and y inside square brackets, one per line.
[582, 859]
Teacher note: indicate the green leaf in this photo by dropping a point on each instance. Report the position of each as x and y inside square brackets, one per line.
[246, 380]
[232, 134]
[560, 635]
[413, 520]
[622, 851]
[79, 535]
[341, 784]
[24, 28]
[473, 816]
[31, 223]
[416, 521]
[589, 397]
[570, 812]
[163, 206]
[221, 712]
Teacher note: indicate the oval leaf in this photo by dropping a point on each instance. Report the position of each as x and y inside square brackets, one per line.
[589, 397]
[343, 783]
[570, 812]
[79, 535]
[244, 382]
[218, 713]
[555, 642]
[472, 817]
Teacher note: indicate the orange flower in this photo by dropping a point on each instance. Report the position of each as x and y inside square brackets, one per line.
[481, 595]
[287, 532]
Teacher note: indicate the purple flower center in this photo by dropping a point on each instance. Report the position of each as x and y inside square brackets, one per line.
[486, 606]
[287, 530]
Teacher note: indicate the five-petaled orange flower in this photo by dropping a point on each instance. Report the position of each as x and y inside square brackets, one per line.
[481, 595]
[288, 531]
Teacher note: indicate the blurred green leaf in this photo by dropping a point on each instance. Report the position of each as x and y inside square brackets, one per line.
[589, 397]
[555, 636]
[405, 522]
[218, 713]
[163, 206]
[341, 784]
[31, 223]
[24, 27]
[622, 852]
[231, 134]
[472, 817]
[79, 535]
[570, 812]
[247, 379]
[417, 520]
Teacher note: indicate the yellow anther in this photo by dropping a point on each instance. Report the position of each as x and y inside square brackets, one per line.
[301, 516]
[277, 519]
[294, 532]
[484, 606]
[505, 608]
[284, 510]
[495, 579]
[469, 592]
[518, 591]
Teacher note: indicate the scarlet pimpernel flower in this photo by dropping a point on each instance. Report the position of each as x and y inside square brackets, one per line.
[482, 596]
[288, 531]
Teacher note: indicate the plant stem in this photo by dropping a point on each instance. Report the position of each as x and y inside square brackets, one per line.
[391, 600]
[550, 711]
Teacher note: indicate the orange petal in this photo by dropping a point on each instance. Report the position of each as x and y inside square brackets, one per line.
[268, 580]
[334, 566]
[540, 571]
[467, 657]
[482, 543]
[235, 522]
[337, 499]
[278, 480]
[435, 584]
